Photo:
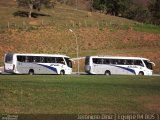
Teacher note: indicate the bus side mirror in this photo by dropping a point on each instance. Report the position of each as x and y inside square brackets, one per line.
[153, 63]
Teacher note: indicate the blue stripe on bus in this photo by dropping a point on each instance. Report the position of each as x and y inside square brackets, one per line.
[49, 67]
[128, 69]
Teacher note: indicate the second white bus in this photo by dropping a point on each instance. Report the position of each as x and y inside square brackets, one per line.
[37, 64]
[110, 65]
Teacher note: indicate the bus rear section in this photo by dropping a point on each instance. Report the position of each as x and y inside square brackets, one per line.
[87, 67]
[9, 65]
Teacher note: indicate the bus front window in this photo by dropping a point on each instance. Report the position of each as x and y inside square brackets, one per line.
[148, 64]
[69, 62]
[9, 58]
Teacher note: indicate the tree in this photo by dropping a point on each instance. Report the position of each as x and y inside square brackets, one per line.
[137, 12]
[154, 9]
[99, 5]
[123, 6]
[91, 5]
[35, 4]
[113, 7]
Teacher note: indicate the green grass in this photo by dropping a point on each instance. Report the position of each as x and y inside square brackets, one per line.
[149, 28]
[79, 94]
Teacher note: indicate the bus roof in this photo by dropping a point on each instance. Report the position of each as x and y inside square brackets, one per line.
[118, 57]
[37, 54]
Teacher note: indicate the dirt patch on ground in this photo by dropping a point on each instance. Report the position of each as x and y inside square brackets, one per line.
[141, 36]
[151, 103]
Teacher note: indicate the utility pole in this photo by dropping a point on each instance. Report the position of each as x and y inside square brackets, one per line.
[77, 49]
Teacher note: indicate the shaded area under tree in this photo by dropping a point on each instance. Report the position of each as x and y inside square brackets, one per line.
[26, 14]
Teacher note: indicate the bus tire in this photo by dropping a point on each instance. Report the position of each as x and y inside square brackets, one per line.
[62, 72]
[107, 72]
[31, 72]
[141, 73]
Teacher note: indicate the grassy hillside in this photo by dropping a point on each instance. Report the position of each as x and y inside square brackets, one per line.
[22, 94]
[97, 33]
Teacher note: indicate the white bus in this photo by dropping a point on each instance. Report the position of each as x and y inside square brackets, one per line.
[110, 65]
[37, 64]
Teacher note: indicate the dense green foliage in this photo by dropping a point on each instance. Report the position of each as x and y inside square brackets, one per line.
[137, 12]
[113, 7]
[154, 9]
[149, 13]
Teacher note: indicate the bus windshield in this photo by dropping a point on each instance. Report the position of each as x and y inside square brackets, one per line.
[69, 62]
[148, 64]
[9, 58]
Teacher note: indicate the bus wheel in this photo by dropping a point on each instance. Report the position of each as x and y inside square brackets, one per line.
[107, 72]
[62, 72]
[31, 72]
[141, 73]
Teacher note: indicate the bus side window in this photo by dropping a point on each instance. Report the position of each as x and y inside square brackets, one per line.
[49, 59]
[26, 59]
[42, 60]
[120, 62]
[34, 59]
[53, 59]
[46, 60]
[100, 61]
[111, 61]
[37, 59]
[60, 60]
[138, 62]
[95, 60]
[125, 62]
[31, 59]
[129, 62]
[115, 61]
[106, 61]
[21, 58]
